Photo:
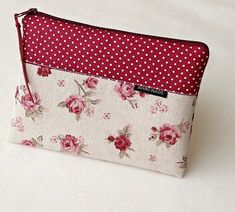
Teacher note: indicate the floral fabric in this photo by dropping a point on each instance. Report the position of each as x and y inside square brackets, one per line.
[103, 119]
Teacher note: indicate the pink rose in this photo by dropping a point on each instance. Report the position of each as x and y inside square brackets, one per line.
[122, 142]
[91, 82]
[125, 90]
[69, 144]
[31, 103]
[76, 104]
[169, 134]
[44, 71]
[28, 143]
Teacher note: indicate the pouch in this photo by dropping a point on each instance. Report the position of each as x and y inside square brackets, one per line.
[106, 94]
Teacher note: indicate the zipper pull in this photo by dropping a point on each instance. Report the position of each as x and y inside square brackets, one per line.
[21, 47]
[32, 10]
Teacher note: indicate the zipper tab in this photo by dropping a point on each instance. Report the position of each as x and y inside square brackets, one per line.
[32, 10]
[21, 47]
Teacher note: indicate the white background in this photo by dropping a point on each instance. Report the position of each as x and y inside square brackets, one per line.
[38, 180]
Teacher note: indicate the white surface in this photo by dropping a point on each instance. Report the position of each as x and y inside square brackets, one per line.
[38, 180]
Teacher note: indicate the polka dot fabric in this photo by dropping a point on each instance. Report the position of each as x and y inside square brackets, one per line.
[162, 63]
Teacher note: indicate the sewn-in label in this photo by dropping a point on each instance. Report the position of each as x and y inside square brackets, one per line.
[152, 91]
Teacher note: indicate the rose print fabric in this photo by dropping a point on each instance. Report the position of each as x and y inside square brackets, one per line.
[82, 101]
[33, 142]
[31, 104]
[127, 93]
[167, 133]
[82, 98]
[104, 119]
[122, 141]
[72, 144]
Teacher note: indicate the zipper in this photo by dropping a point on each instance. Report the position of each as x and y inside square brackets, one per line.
[35, 10]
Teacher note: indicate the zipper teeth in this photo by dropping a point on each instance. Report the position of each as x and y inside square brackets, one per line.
[119, 31]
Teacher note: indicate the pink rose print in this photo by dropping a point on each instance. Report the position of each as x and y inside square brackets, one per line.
[61, 83]
[158, 107]
[152, 158]
[18, 124]
[44, 71]
[168, 134]
[106, 116]
[126, 92]
[31, 104]
[122, 141]
[81, 102]
[183, 163]
[33, 142]
[91, 82]
[76, 104]
[71, 144]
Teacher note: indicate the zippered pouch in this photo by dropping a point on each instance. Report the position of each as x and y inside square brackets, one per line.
[106, 94]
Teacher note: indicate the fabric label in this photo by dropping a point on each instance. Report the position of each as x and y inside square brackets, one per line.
[151, 91]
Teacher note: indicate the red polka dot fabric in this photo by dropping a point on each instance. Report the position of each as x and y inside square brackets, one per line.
[162, 63]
